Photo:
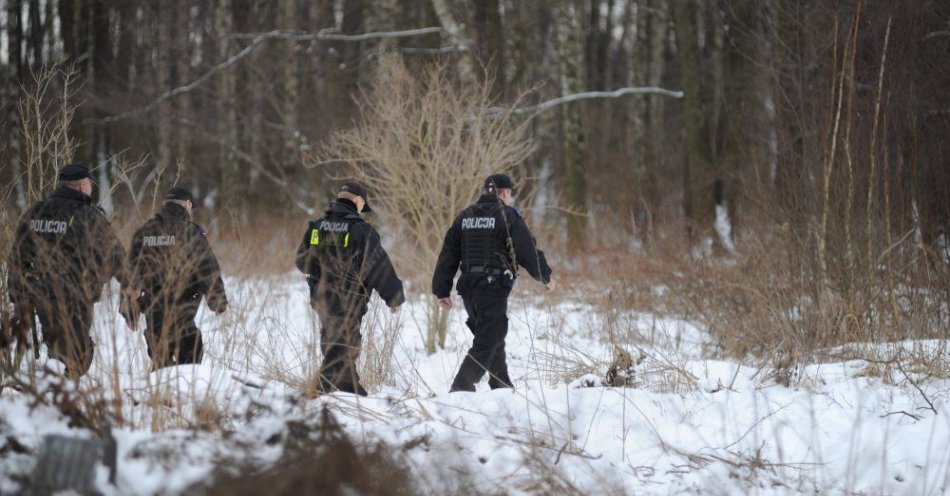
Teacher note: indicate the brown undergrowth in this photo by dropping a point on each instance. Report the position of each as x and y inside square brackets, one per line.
[765, 303]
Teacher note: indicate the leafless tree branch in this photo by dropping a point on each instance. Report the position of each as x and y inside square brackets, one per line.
[257, 39]
[911, 415]
[275, 176]
[587, 95]
[433, 51]
[333, 35]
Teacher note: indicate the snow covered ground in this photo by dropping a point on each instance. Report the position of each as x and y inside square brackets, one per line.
[690, 423]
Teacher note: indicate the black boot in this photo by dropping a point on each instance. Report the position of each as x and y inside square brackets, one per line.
[469, 373]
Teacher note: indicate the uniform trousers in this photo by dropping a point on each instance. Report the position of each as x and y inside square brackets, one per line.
[488, 321]
[172, 338]
[66, 324]
[340, 342]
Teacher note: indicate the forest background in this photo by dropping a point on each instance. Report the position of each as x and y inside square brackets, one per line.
[793, 152]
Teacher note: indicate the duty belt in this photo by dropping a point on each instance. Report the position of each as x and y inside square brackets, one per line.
[484, 269]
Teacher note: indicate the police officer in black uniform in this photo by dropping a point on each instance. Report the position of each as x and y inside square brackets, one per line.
[65, 250]
[487, 241]
[344, 262]
[172, 268]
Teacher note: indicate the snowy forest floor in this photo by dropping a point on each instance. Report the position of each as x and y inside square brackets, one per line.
[867, 419]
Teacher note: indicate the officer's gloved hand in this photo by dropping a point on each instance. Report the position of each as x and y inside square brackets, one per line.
[217, 304]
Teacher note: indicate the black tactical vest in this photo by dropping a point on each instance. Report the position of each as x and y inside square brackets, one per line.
[337, 248]
[485, 239]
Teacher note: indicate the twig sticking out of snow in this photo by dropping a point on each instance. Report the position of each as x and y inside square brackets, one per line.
[914, 383]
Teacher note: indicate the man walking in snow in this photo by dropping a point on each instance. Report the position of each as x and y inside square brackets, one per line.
[344, 262]
[64, 252]
[172, 268]
[487, 241]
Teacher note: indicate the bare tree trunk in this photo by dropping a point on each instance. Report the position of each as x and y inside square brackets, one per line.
[384, 16]
[163, 69]
[353, 15]
[67, 27]
[698, 199]
[713, 88]
[571, 55]
[288, 17]
[530, 47]
[232, 177]
[334, 83]
[741, 121]
[49, 16]
[457, 35]
[181, 57]
[768, 53]
[36, 36]
[598, 44]
[100, 81]
[15, 57]
[646, 132]
[491, 42]
[255, 132]
[636, 44]
[126, 77]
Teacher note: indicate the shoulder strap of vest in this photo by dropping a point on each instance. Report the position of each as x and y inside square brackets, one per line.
[507, 244]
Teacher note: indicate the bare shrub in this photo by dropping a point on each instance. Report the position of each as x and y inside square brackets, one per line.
[46, 108]
[84, 407]
[379, 346]
[423, 145]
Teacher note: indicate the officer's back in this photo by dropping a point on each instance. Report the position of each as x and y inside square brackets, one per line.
[171, 258]
[336, 241]
[488, 241]
[344, 259]
[65, 245]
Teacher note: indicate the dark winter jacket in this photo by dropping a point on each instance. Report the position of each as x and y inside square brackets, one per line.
[487, 241]
[64, 249]
[171, 261]
[345, 261]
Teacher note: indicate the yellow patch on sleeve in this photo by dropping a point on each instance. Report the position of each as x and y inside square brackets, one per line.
[314, 237]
